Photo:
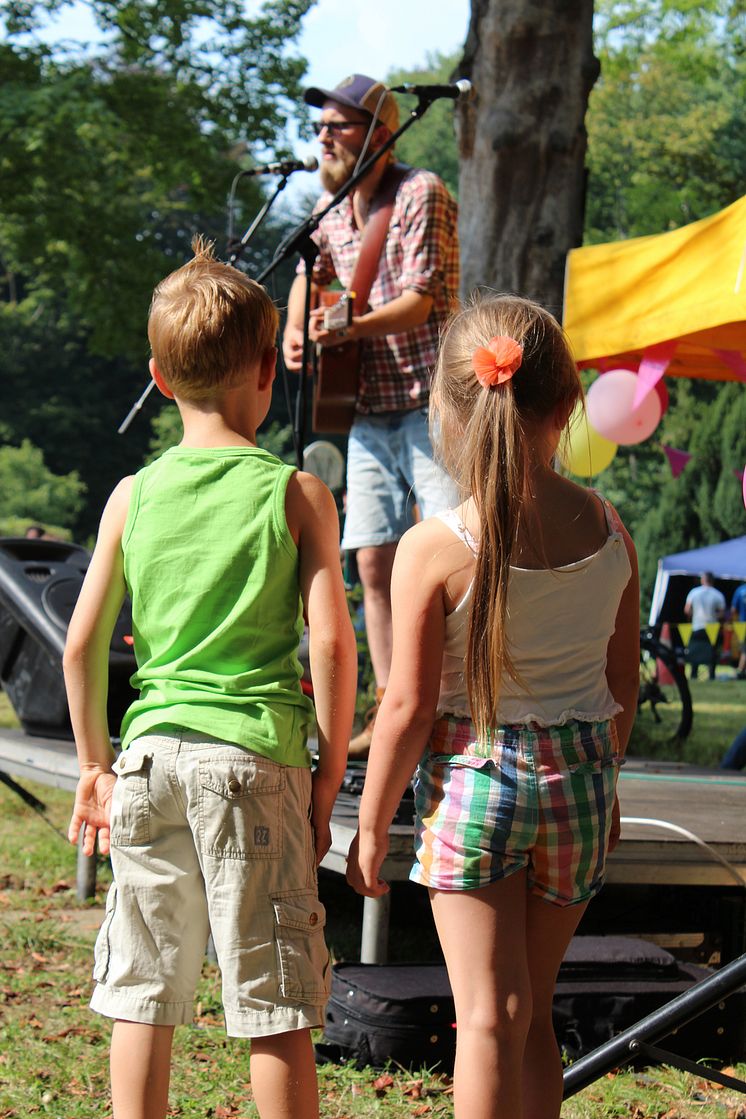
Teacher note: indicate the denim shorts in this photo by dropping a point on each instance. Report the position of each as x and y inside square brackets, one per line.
[535, 797]
[390, 467]
[207, 837]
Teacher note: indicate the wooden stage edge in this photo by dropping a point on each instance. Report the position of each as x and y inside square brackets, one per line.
[681, 826]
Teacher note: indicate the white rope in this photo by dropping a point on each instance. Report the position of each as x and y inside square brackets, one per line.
[688, 835]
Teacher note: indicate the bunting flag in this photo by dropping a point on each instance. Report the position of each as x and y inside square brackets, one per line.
[735, 361]
[712, 629]
[655, 362]
[685, 632]
[677, 460]
[739, 628]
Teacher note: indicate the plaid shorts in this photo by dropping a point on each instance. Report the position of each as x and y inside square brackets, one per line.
[535, 797]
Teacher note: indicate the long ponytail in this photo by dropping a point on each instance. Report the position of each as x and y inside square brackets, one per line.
[480, 435]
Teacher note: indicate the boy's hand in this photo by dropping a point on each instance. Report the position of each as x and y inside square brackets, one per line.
[92, 809]
[323, 794]
[364, 861]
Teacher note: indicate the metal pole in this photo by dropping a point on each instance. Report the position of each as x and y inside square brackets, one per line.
[374, 946]
[660, 1023]
[86, 878]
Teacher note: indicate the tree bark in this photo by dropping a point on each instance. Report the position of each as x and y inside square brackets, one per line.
[522, 143]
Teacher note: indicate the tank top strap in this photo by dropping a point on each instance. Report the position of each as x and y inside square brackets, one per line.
[613, 523]
[451, 519]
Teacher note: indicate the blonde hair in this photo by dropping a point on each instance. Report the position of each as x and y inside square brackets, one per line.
[481, 437]
[209, 325]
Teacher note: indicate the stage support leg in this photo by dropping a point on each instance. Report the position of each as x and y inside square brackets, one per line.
[86, 874]
[657, 1025]
[374, 947]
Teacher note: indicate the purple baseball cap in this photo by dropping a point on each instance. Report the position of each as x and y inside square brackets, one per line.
[359, 92]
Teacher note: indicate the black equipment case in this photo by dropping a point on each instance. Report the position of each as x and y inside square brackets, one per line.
[404, 1013]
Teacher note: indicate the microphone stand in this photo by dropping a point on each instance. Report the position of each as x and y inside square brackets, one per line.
[299, 240]
[241, 245]
[237, 252]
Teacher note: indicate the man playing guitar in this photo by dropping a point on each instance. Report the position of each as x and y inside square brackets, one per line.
[390, 461]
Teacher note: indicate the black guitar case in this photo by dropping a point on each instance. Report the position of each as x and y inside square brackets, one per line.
[404, 1013]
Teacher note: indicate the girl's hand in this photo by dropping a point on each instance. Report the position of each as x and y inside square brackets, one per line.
[92, 809]
[364, 861]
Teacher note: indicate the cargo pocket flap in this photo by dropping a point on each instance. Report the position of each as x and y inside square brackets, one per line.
[128, 763]
[242, 779]
[304, 912]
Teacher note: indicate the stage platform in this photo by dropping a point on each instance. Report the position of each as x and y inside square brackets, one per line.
[678, 874]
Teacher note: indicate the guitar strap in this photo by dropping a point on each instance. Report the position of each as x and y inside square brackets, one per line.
[374, 237]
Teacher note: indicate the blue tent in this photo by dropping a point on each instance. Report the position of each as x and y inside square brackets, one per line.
[725, 561]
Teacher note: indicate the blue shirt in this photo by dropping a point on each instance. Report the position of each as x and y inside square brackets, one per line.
[738, 603]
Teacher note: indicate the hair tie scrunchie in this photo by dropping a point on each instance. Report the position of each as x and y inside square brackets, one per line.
[496, 362]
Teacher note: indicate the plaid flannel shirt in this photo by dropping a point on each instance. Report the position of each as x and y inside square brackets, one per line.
[421, 254]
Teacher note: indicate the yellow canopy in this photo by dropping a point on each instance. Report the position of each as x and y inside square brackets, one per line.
[689, 285]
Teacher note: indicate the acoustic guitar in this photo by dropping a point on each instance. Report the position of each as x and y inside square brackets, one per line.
[336, 372]
[337, 368]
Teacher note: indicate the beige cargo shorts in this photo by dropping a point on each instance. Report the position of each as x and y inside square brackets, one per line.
[207, 837]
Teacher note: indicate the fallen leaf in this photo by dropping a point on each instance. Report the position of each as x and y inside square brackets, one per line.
[382, 1083]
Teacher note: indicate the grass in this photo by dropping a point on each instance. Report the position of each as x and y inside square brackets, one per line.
[53, 1050]
[719, 714]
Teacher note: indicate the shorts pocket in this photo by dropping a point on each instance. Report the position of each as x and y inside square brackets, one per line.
[102, 949]
[594, 765]
[241, 806]
[301, 948]
[130, 802]
[594, 753]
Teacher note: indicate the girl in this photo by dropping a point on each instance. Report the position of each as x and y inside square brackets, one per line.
[515, 671]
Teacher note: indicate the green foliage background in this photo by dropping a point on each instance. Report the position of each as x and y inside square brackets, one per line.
[113, 154]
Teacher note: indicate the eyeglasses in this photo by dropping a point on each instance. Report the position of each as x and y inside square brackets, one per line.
[333, 127]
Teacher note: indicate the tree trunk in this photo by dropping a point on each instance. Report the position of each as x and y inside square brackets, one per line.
[522, 143]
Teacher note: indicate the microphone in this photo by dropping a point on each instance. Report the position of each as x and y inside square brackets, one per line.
[285, 166]
[461, 90]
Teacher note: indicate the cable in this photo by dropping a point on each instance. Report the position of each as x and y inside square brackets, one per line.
[373, 126]
[688, 835]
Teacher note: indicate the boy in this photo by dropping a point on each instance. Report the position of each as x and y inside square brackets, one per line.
[214, 821]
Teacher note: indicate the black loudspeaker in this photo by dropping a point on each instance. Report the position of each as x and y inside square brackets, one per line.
[40, 581]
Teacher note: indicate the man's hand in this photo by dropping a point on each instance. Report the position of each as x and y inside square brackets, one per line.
[92, 809]
[292, 348]
[318, 333]
[364, 861]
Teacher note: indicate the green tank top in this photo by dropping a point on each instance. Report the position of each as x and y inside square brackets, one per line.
[212, 571]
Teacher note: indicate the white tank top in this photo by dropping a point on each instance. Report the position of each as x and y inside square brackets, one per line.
[559, 621]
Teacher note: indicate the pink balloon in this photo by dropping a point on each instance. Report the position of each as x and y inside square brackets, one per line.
[610, 408]
[662, 390]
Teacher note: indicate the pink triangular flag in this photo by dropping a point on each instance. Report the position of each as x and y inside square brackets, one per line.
[655, 361]
[677, 460]
[734, 360]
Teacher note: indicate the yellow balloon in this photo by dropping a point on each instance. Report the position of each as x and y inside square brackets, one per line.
[584, 452]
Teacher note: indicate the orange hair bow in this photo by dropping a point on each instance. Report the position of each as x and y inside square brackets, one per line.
[496, 362]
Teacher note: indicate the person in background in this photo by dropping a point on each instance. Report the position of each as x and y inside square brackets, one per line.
[705, 605]
[738, 614]
[214, 820]
[390, 461]
[735, 756]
